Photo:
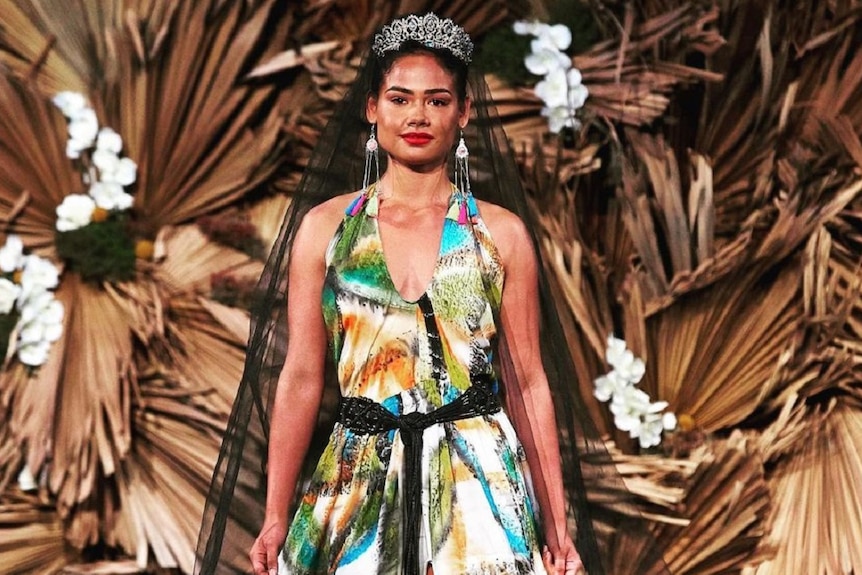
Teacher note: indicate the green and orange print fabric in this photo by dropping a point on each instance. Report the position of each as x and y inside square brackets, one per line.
[478, 512]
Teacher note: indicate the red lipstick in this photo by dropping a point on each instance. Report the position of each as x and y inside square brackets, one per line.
[417, 138]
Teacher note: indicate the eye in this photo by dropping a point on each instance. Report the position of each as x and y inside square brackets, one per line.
[439, 102]
[397, 100]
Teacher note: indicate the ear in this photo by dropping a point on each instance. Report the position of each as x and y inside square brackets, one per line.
[464, 115]
[371, 109]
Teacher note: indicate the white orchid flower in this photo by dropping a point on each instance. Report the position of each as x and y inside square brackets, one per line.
[668, 421]
[624, 361]
[75, 212]
[649, 434]
[26, 481]
[559, 118]
[38, 274]
[32, 302]
[9, 293]
[525, 28]
[553, 89]
[630, 400]
[70, 103]
[124, 173]
[11, 254]
[83, 129]
[54, 327]
[105, 160]
[545, 60]
[578, 93]
[31, 333]
[609, 385]
[616, 347]
[110, 196]
[556, 37]
[34, 354]
[109, 140]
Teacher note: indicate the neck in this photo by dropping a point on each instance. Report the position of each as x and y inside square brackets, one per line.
[400, 185]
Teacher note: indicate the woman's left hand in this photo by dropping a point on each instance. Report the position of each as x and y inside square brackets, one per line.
[564, 560]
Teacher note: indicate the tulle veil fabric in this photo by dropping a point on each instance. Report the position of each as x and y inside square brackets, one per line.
[235, 504]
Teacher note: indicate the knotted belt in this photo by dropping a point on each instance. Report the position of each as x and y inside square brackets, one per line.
[364, 416]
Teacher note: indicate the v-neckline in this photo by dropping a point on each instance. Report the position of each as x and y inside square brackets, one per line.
[434, 271]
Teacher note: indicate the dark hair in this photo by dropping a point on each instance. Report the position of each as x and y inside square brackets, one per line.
[380, 66]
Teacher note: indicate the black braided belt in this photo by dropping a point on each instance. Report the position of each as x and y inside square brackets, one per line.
[364, 416]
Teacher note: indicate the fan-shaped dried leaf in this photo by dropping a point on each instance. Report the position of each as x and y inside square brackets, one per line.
[817, 517]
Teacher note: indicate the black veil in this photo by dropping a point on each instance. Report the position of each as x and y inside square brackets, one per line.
[235, 505]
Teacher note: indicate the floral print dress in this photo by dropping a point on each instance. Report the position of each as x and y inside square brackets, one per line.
[478, 515]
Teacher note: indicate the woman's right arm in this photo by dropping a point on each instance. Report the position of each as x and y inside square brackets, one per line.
[300, 385]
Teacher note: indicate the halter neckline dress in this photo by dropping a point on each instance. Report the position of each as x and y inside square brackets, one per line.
[476, 513]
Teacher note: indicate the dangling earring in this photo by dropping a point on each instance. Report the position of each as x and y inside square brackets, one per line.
[372, 164]
[371, 159]
[465, 208]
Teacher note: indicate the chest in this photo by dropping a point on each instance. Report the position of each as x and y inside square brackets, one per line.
[411, 247]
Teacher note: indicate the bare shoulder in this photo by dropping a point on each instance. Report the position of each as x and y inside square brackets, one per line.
[320, 223]
[508, 230]
[331, 211]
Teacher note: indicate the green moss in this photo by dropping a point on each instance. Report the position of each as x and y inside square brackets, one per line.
[502, 52]
[578, 17]
[7, 324]
[100, 251]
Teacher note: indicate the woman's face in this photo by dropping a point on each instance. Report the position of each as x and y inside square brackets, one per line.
[417, 112]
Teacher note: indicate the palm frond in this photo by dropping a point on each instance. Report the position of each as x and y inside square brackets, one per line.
[816, 518]
[31, 535]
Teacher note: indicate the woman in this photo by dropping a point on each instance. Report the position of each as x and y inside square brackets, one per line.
[432, 302]
[418, 108]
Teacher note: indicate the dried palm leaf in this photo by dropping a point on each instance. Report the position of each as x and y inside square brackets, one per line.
[177, 101]
[31, 535]
[718, 509]
[35, 173]
[625, 89]
[672, 229]
[268, 216]
[817, 517]
[68, 48]
[201, 140]
[693, 347]
[728, 502]
[823, 363]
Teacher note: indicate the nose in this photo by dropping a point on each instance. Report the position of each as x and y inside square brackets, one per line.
[417, 115]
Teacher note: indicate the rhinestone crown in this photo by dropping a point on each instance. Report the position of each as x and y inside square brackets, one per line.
[429, 30]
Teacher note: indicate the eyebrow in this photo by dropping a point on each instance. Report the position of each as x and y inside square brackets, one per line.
[411, 92]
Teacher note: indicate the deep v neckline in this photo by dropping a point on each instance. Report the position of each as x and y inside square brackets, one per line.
[438, 260]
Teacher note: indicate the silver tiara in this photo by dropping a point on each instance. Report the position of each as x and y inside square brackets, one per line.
[429, 30]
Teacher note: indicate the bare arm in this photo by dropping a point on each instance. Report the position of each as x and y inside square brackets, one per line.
[300, 384]
[531, 404]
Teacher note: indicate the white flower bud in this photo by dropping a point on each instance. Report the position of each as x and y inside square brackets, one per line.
[11, 254]
[75, 212]
[83, 129]
[524, 28]
[109, 141]
[34, 354]
[26, 481]
[545, 60]
[9, 293]
[110, 196]
[556, 37]
[38, 274]
[70, 103]
[105, 160]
